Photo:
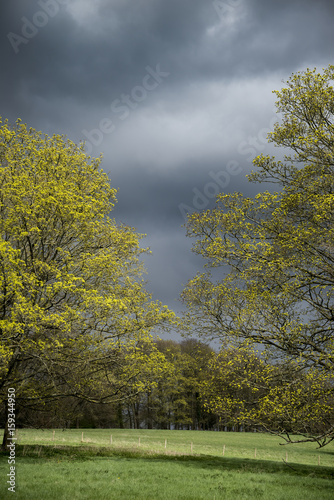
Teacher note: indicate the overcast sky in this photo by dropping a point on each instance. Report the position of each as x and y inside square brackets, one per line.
[176, 94]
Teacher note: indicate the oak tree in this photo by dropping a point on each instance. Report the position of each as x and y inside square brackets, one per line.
[71, 278]
[278, 246]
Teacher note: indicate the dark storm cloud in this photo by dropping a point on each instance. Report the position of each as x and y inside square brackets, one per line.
[85, 69]
[171, 195]
[94, 58]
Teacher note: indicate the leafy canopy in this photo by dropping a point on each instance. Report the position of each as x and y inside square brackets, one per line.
[71, 279]
[278, 246]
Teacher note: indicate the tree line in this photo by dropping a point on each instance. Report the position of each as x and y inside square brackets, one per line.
[194, 387]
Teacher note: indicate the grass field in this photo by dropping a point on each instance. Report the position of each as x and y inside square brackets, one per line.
[166, 465]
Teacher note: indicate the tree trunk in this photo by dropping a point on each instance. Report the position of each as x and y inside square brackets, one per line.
[130, 417]
[120, 416]
[5, 440]
[136, 415]
[149, 413]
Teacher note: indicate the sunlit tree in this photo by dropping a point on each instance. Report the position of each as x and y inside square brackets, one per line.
[71, 283]
[278, 246]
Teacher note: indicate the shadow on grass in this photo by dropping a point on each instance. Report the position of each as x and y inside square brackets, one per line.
[83, 453]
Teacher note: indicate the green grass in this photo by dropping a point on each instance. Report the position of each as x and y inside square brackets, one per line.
[68, 469]
[237, 445]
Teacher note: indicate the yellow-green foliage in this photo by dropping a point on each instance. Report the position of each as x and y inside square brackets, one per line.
[279, 246]
[242, 387]
[71, 286]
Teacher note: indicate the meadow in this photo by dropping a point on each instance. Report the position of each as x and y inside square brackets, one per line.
[166, 465]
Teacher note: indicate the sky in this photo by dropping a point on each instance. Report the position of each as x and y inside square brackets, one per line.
[176, 94]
